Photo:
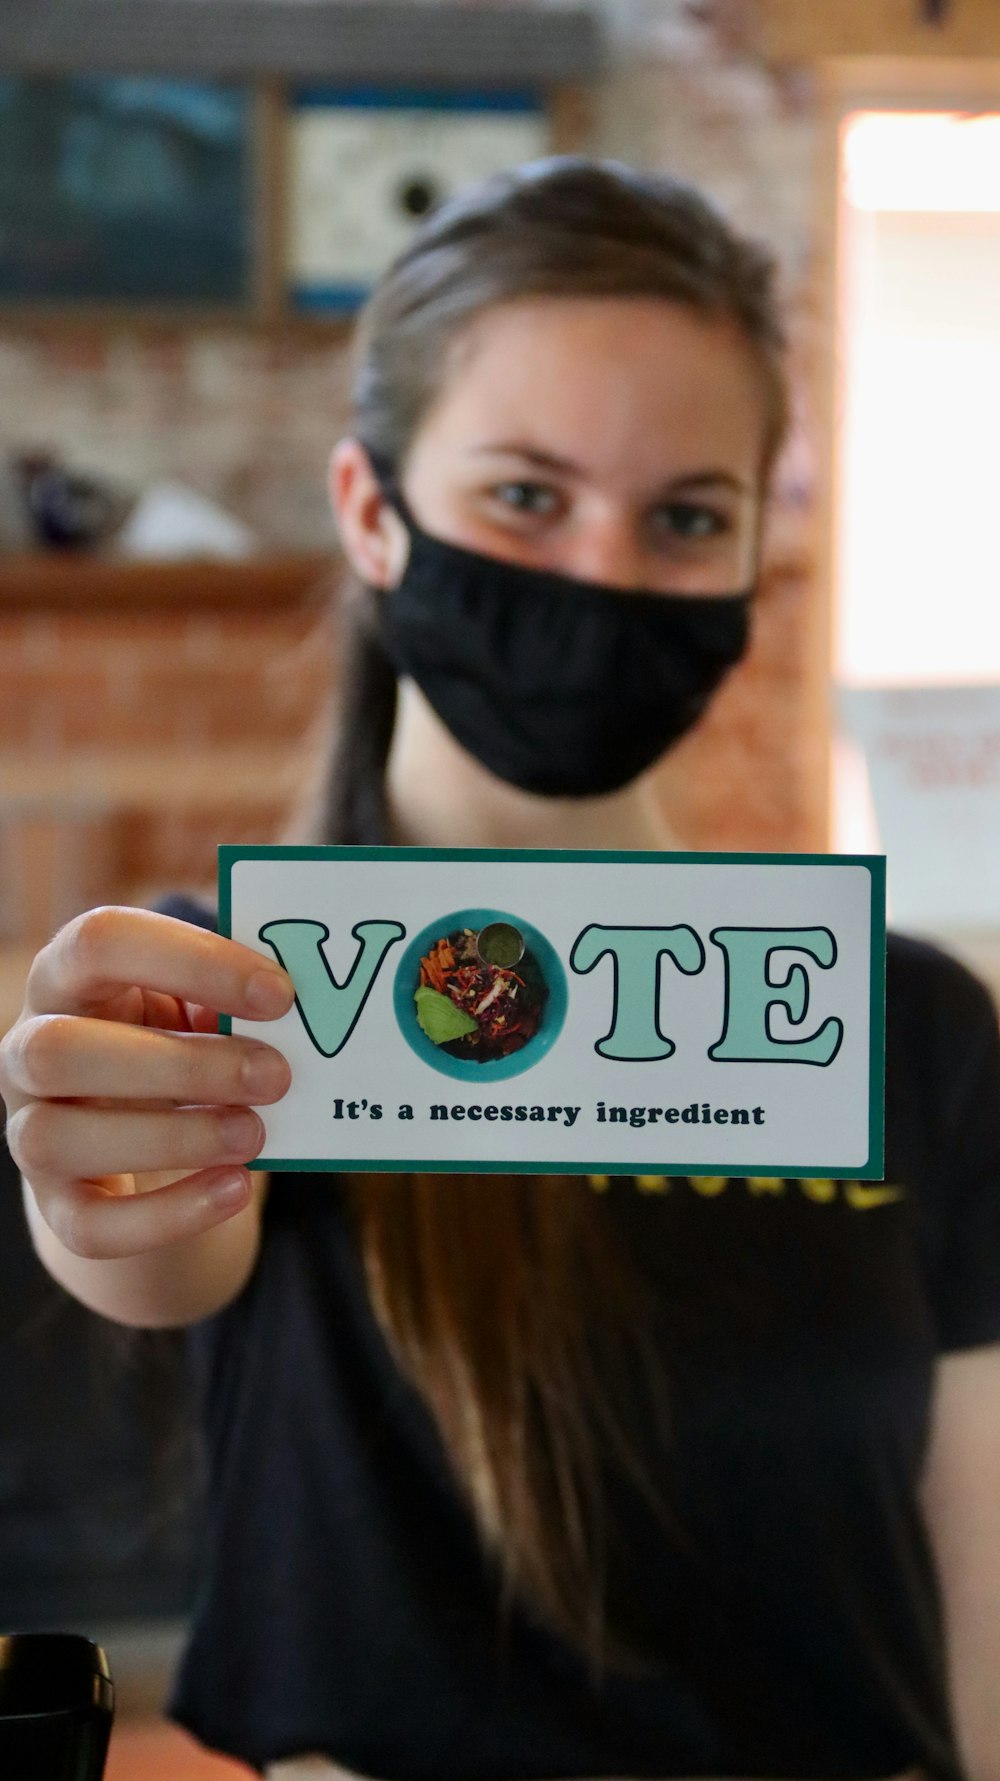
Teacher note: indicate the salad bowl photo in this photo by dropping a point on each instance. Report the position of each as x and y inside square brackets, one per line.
[480, 995]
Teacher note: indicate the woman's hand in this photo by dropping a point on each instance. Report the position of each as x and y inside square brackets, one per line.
[129, 1113]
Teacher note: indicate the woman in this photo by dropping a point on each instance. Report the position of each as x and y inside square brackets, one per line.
[512, 1477]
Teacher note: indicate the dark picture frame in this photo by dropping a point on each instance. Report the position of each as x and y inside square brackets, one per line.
[126, 190]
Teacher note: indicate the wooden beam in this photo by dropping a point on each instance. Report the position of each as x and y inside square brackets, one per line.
[72, 581]
[909, 83]
[391, 41]
[809, 30]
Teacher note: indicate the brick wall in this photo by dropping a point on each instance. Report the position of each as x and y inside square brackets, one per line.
[150, 679]
[248, 419]
[133, 742]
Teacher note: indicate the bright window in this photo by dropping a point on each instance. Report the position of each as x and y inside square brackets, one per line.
[916, 535]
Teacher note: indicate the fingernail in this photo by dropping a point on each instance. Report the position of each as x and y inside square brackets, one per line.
[267, 993]
[264, 1075]
[230, 1190]
[240, 1133]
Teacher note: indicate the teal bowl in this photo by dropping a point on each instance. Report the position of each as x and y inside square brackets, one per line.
[466, 1069]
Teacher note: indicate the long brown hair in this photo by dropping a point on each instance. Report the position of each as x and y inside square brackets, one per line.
[499, 1295]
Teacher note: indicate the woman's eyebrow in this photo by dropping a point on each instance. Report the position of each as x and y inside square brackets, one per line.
[547, 460]
[513, 448]
[702, 478]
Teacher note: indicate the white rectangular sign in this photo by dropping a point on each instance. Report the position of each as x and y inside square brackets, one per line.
[570, 1012]
[933, 757]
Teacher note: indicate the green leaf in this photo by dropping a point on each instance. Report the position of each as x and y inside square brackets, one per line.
[441, 1018]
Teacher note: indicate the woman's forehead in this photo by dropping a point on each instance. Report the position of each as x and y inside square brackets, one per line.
[595, 379]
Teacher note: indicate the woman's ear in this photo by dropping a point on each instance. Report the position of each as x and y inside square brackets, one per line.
[373, 536]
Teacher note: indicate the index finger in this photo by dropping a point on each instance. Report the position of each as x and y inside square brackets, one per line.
[107, 951]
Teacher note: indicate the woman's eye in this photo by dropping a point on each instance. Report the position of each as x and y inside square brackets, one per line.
[686, 519]
[525, 497]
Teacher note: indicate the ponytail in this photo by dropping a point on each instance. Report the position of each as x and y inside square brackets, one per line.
[355, 813]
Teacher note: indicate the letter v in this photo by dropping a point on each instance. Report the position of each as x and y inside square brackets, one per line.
[329, 1009]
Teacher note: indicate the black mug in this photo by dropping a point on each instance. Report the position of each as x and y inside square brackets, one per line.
[56, 1707]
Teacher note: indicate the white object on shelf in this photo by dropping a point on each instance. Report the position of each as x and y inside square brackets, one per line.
[172, 521]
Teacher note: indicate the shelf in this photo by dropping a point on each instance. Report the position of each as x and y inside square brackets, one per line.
[76, 581]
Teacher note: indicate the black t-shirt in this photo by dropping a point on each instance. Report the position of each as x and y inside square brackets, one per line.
[796, 1628]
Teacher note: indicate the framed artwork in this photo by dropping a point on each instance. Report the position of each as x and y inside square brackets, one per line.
[143, 194]
[365, 164]
[126, 191]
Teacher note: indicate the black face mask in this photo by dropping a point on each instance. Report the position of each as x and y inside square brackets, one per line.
[563, 687]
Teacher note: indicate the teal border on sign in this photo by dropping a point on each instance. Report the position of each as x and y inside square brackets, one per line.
[872, 863]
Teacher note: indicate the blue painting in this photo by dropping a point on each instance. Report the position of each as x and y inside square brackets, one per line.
[125, 190]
